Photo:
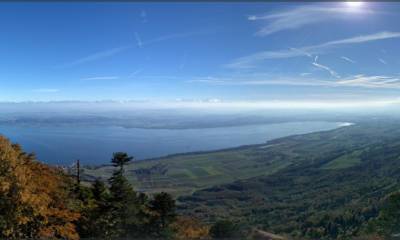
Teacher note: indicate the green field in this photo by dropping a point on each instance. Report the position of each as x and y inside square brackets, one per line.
[344, 161]
[185, 173]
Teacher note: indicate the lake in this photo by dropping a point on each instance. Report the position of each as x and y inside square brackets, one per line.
[95, 145]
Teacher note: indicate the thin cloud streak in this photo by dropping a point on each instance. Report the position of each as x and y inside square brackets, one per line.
[143, 16]
[250, 60]
[372, 81]
[46, 90]
[328, 69]
[361, 39]
[168, 37]
[96, 56]
[305, 74]
[303, 16]
[302, 52]
[262, 81]
[139, 43]
[101, 78]
[359, 81]
[348, 59]
[382, 61]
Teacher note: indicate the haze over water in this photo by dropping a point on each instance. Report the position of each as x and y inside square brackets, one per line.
[95, 145]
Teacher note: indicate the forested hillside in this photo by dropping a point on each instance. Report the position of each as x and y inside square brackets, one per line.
[42, 202]
[336, 194]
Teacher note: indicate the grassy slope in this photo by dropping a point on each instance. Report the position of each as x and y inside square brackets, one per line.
[182, 174]
[344, 161]
[185, 173]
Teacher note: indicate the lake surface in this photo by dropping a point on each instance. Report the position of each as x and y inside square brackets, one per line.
[95, 145]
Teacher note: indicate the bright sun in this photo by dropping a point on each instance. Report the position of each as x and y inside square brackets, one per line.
[354, 4]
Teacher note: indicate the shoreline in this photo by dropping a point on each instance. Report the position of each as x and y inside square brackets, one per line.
[244, 146]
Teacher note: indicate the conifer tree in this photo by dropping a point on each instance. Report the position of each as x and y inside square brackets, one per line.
[120, 159]
[163, 207]
[122, 196]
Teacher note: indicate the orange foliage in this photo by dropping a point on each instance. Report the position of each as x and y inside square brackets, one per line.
[33, 197]
[190, 228]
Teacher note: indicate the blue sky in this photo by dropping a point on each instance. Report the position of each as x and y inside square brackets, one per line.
[200, 51]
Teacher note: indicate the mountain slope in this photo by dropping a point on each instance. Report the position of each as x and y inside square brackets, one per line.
[318, 198]
[184, 173]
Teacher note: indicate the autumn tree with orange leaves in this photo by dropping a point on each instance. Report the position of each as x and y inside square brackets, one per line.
[38, 201]
[34, 198]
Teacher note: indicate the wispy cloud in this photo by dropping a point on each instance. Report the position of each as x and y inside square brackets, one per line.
[250, 60]
[361, 39]
[46, 90]
[360, 81]
[324, 67]
[96, 56]
[167, 37]
[307, 51]
[305, 74]
[260, 81]
[134, 73]
[139, 42]
[302, 52]
[212, 80]
[302, 16]
[143, 16]
[347, 59]
[382, 61]
[371, 81]
[101, 78]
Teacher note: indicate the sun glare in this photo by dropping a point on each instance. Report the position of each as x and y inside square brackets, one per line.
[354, 4]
